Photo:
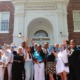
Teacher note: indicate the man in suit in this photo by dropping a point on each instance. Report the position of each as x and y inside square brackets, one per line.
[74, 61]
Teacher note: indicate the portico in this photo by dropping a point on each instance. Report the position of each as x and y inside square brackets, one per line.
[40, 20]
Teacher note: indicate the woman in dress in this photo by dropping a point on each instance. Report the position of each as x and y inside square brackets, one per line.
[50, 64]
[18, 65]
[62, 68]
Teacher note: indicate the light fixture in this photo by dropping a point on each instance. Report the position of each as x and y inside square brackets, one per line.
[60, 32]
[20, 35]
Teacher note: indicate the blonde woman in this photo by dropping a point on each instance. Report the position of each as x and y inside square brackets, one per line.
[18, 62]
[62, 68]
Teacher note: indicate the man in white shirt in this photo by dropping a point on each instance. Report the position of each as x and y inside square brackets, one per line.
[8, 54]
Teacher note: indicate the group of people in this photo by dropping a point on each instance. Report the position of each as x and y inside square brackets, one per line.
[40, 62]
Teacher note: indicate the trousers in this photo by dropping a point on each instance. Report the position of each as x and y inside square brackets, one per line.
[28, 70]
[9, 71]
[1, 73]
[39, 71]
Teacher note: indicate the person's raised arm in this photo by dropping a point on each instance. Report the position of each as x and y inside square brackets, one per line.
[55, 54]
[32, 42]
[26, 41]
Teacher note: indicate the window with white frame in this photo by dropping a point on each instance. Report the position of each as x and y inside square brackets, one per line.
[4, 21]
[76, 19]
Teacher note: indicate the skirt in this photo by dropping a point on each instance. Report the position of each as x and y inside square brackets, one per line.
[50, 67]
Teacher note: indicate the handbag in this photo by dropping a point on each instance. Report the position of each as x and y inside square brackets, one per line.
[65, 64]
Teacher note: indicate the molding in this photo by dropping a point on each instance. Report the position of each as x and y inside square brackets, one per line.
[76, 31]
[37, 5]
[41, 38]
[40, 0]
[40, 4]
[4, 32]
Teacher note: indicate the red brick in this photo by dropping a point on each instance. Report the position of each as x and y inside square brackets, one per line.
[73, 5]
[7, 6]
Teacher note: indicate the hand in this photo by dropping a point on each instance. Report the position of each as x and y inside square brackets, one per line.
[1, 63]
[26, 39]
[55, 54]
[53, 51]
[32, 41]
[35, 62]
[5, 65]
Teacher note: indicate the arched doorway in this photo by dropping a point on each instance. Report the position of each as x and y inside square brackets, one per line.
[40, 30]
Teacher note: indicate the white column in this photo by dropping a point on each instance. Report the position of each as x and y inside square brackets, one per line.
[62, 27]
[18, 28]
[65, 23]
[18, 22]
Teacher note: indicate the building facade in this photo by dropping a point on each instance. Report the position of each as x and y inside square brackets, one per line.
[6, 22]
[41, 20]
[74, 20]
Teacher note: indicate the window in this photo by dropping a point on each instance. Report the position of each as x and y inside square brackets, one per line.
[76, 19]
[4, 21]
[41, 33]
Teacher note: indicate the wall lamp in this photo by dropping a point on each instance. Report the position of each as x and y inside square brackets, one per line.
[19, 35]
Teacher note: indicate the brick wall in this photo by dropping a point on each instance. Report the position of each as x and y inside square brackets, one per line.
[7, 37]
[73, 5]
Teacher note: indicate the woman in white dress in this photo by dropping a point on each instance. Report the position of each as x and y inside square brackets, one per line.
[62, 68]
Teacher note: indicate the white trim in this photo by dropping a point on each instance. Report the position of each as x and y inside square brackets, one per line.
[76, 30]
[8, 12]
[75, 11]
[4, 31]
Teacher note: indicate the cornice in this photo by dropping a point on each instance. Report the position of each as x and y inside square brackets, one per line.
[23, 1]
[40, 4]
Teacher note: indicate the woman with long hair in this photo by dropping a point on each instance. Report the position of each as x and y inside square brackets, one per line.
[28, 64]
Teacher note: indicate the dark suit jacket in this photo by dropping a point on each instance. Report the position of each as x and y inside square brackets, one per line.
[74, 61]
